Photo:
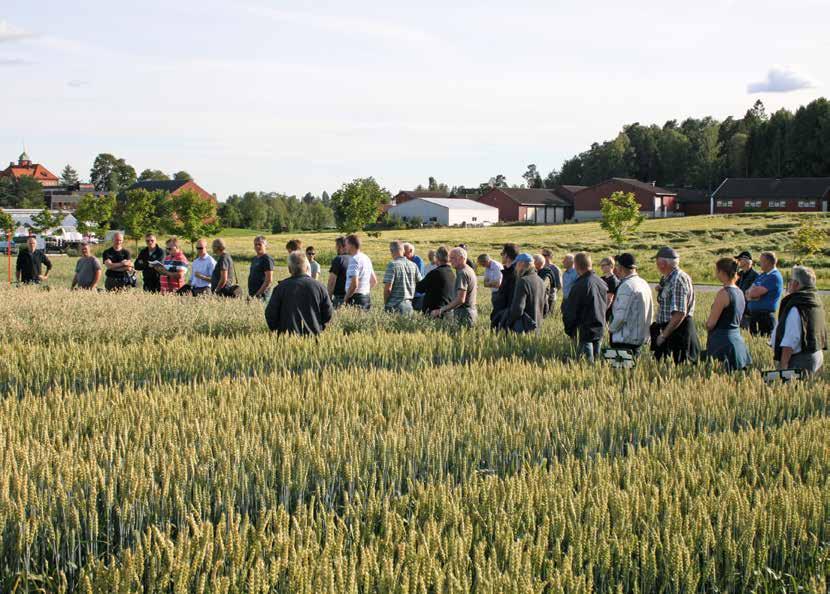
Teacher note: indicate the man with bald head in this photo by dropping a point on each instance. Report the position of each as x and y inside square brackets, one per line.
[463, 304]
[117, 264]
[30, 263]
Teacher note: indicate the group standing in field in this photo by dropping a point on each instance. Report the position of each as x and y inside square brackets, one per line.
[616, 309]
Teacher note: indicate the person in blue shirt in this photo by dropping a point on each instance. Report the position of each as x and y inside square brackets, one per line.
[763, 296]
[409, 254]
[569, 275]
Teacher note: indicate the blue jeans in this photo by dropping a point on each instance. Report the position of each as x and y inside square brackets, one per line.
[404, 308]
[589, 350]
[360, 300]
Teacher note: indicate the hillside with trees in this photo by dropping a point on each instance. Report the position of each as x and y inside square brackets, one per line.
[700, 153]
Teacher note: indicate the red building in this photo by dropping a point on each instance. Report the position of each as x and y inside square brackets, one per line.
[655, 202]
[529, 205]
[791, 194]
[692, 202]
[173, 187]
[25, 167]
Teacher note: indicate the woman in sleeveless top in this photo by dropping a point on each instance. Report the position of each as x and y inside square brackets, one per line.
[724, 324]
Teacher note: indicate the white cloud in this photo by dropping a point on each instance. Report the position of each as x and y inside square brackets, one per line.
[782, 79]
[11, 33]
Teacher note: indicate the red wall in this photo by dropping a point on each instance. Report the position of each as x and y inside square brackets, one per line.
[193, 186]
[739, 205]
[694, 208]
[589, 198]
[508, 208]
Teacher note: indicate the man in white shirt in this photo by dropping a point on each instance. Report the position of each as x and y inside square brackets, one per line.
[360, 276]
[201, 269]
[632, 309]
[800, 337]
[492, 272]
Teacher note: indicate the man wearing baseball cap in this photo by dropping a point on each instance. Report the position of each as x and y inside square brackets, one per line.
[746, 277]
[527, 310]
[632, 310]
[674, 333]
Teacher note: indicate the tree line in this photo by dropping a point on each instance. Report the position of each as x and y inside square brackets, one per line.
[700, 153]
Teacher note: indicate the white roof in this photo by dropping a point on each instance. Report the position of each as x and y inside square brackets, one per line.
[457, 203]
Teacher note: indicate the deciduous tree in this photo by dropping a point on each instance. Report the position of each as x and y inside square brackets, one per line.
[621, 216]
[357, 204]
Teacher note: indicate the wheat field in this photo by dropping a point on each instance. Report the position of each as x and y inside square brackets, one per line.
[165, 444]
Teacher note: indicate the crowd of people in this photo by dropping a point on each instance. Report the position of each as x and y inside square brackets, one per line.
[615, 308]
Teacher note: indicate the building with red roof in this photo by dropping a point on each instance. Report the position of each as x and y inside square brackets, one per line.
[25, 167]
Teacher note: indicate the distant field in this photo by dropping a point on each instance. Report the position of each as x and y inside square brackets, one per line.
[699, 240]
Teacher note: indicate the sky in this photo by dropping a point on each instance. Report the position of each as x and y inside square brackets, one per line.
[299, 97]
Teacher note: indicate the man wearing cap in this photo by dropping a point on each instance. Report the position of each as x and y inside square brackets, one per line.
[632, 309]
[583, 311]
[763, 296]
[674, 333]
[746, 276]
[527, 310]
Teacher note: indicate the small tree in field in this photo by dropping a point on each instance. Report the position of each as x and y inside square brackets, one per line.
[94, 213]
[621, 216]
[809, 240]
[357, 204]
[45, 220]
[6, 224]
[193, 217]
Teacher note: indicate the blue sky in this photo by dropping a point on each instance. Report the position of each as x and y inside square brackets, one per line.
[300, 96]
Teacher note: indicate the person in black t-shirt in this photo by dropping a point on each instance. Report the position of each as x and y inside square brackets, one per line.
[118, 265]
[337, 273]
[151, 253]
[746, 278]
[30, 264]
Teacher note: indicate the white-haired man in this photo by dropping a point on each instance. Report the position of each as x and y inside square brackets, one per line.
[299, 304]
[409, 254]
[673, 333]
[463, 304]
[801, 333]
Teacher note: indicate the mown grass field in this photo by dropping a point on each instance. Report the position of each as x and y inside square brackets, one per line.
[154, 444]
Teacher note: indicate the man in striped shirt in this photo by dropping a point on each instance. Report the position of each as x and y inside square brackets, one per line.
[399, 281]
[173, 269]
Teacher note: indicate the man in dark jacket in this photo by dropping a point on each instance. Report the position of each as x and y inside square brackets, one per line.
[151, 253]
[438, 286]
[583, 312]
[503, 297]
[30, 264]
[529, 299]
[746, 277]
[299, 304]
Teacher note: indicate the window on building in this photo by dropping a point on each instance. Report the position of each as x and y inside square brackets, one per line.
[433, 219]
[753, 204]
[475, 219]
[777, 203]
[806, 204]
[724, 203]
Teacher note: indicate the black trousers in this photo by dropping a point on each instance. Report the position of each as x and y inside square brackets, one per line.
[634, 348]
[761, 323]
[682, 345]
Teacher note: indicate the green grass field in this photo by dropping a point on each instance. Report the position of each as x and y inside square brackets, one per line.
[163, 444]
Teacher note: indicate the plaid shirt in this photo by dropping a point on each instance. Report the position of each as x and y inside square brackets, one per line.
[675, 293]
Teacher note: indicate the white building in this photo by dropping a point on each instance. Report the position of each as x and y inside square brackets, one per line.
[446, 211]
[22, 218]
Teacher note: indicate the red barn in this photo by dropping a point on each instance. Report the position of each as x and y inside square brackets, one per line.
[655, 202]
[529, 205]
[25, 167]
[791, 194]
[173, 187]
[693, 202]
